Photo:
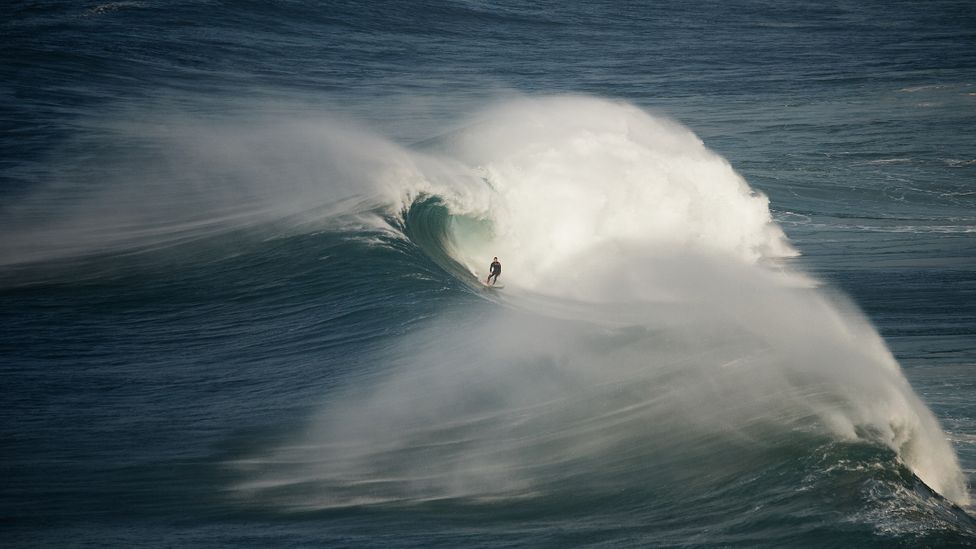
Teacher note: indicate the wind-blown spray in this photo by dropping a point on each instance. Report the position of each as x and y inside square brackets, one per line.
[647, 322]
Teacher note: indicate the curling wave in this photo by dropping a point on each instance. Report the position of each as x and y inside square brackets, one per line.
[648, 317]
[646, 322]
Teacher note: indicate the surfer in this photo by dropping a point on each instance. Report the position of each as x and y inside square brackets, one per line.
[496, 269]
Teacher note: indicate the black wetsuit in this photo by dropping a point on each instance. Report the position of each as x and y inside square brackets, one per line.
[496, 269]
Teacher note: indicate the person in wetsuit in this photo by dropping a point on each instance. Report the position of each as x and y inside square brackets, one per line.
[496, 269]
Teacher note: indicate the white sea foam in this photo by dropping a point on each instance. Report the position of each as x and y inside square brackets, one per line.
[645, 318]
[646, 311]
[573, 177]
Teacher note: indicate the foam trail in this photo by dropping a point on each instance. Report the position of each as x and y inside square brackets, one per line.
[647, 322]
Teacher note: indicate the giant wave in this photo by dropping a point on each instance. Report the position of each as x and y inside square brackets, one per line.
[649, 321]
[652, 334]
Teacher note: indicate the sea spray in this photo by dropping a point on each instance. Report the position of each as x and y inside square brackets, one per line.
[571, 175]
[637, 263]
[646, 322]
[168, 179]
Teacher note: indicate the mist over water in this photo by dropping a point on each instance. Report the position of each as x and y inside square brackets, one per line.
[171, 179]
[648, 316]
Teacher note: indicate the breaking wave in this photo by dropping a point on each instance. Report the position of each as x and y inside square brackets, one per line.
[648, 320]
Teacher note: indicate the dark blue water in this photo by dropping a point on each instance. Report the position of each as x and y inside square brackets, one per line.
[236, 306]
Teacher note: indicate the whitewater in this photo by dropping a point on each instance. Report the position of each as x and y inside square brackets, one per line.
[650, 315]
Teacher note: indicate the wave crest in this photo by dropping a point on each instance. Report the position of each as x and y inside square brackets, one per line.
[642, 327]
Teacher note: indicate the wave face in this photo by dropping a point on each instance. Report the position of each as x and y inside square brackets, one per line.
[650, 340]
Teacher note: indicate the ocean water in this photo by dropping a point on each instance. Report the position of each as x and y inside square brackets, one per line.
[243, 244]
